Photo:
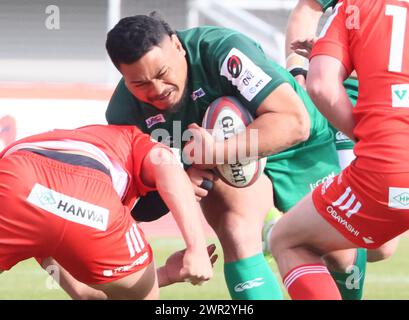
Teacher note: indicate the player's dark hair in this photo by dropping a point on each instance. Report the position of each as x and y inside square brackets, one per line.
[134, 36]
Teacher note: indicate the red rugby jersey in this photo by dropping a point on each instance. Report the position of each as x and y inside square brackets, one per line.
[372, 37]
[124, 145]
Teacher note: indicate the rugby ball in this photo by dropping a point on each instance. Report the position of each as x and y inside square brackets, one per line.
[225, 117]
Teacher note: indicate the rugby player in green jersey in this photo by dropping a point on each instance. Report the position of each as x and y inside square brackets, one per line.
[169, 80]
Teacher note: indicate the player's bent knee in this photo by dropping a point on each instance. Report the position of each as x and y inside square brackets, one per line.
[277, 243]
[340, 260]
[238, 231]
[239, 238]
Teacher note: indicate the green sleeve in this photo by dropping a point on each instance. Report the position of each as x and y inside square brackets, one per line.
[242, 64]
[325, 4]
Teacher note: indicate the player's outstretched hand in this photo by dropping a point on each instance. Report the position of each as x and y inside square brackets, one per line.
[303, 47]
[186, 266]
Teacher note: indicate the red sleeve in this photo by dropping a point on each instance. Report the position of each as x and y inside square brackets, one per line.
[334, 39]
[142, 145]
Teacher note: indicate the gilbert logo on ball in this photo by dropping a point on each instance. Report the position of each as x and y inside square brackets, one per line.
[226, 117]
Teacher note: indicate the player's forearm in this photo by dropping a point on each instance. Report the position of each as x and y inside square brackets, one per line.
[302, 24]
[288, 129]
[175, 188]
[262, 138]
[325, 85]
[333, 102]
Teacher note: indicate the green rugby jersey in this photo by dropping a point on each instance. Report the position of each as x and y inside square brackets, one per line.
[325, 4]
[222, 62]
[342, 142]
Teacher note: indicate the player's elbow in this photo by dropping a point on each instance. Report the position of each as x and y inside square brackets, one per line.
[315, 88]
[163, 157]
[320, 90]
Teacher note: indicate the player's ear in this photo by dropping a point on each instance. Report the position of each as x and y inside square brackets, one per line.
[176, 42]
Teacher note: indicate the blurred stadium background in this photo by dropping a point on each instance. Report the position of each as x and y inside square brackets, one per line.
[62, 78]
[76, 52]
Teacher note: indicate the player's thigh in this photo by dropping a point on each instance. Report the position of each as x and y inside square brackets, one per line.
[225, 202]
[140, 285]
[304, 226]
[383, 252]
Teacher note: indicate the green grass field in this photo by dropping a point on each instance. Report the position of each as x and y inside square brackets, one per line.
[385, 280]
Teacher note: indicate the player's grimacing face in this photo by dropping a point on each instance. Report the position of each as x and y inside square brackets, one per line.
[159, 77]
